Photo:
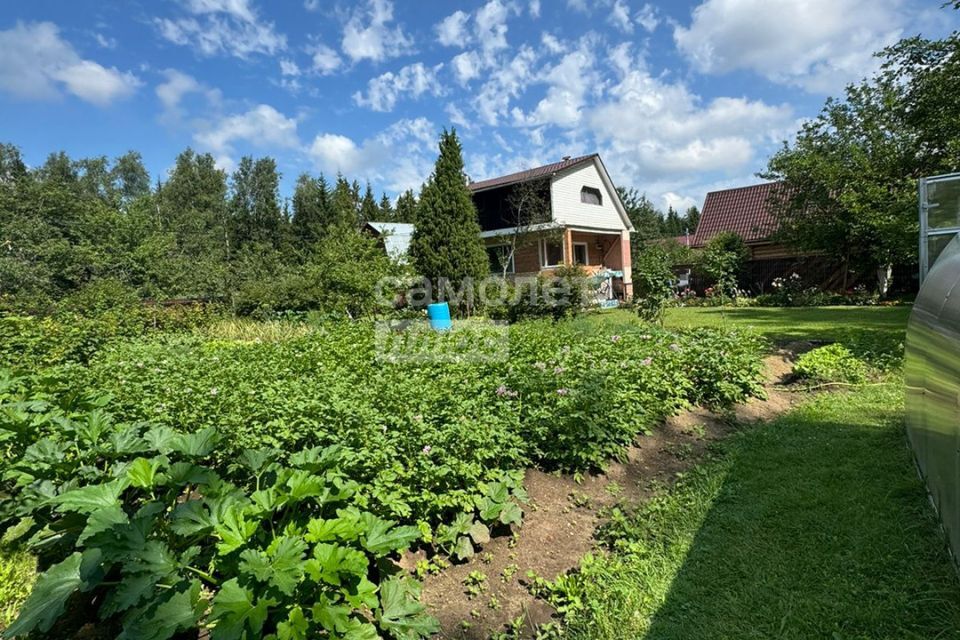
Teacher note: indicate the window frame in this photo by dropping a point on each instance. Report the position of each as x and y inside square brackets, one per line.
[593, 191]
[586, 253]
[542, 247]
[513, 262]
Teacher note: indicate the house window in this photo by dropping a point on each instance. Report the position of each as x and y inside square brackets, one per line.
[500, 255]
[580, 254]
[551, 253]
[589, 195]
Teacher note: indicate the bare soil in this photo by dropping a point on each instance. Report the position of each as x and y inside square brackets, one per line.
[564, 511]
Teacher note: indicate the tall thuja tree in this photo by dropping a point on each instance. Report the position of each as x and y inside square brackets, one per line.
[446, 242]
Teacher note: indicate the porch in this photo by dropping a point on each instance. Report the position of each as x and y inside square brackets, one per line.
[600, 253]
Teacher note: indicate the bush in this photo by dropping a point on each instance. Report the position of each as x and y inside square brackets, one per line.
[652, 282]
[563, 294]
[832, 363]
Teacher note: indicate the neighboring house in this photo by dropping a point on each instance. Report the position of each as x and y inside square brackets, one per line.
[394, 237]
[582, 221]
[747, 211]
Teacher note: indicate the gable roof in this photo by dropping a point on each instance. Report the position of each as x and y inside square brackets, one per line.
[396, 236]
[744, 211]
[529, 174]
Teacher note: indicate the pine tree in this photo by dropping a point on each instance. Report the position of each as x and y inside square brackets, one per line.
[369, 211]
[386, 209]
[446, 242]
[406, 207]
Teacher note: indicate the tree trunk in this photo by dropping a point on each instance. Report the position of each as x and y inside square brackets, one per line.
[884, 274]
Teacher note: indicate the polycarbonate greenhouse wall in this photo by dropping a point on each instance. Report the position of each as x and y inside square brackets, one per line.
[932, 365]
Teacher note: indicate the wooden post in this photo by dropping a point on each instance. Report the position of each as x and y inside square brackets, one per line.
[568, 247]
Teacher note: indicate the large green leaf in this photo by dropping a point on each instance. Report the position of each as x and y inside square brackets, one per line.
[335, 618]
[401, 612]
[233, 528]
[91, 498]
[234, 611]
[294, 627]
[180, 611]
[103, 520]
[280, 565]
[51, 592]
[511, 513]
[362, 594]
[197, 445]
[345, 529]
[304, 484]
[142, 472]
[381, 536]
[191, 518]
[331, 562]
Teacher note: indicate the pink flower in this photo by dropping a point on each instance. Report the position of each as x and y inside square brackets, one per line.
[646, 362]
[502, 391]
[614, 338]
[426, 450]
[562, 391]
[674, 347]
[558, 370]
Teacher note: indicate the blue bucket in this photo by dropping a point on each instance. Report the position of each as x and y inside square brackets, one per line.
[439, 315]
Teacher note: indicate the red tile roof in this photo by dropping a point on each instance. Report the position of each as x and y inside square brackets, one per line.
[743, 210]
[529, 174]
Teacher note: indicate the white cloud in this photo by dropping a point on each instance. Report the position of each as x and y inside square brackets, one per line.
[619, 16]
[311, 5]
[325, 59]
[678, 202]
[369, 36]
[375, 158]
[506, 83]
[229, 27]
[176, 86]
[451, 31]
[653, 128]
[289, 68]
[262, 126]
[534, 8]
[819, 45]
[647, 18]
[36, 63]
[414, 80]
[105, 42]
[569, 82]
[466, 66]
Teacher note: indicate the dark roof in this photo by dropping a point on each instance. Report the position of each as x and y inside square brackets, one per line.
[744, 211]
[530, 174]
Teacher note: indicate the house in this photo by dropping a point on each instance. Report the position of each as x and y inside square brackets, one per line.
[564, 213]
[394, 237]
[748, 212]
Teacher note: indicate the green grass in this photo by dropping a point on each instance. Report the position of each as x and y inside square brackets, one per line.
[17, 574]
[813, 526]
[784, 324]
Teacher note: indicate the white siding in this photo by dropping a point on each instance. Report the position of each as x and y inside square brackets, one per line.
[567, 208]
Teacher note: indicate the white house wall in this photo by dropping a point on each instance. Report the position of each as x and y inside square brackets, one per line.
[570, 211]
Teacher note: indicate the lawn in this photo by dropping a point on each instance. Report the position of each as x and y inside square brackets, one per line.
[784, 324]
[813, 526]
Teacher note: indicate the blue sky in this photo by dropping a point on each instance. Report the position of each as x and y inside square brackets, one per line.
[679, 98]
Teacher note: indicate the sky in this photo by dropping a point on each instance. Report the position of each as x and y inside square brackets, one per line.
[679, 98]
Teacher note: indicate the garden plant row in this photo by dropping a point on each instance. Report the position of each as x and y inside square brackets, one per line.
[266, 488]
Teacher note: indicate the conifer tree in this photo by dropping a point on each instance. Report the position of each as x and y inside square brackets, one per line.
[386, 209]
[406, 207]
[446, 243]
[368, 206]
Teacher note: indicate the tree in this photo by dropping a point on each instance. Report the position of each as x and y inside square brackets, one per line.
[369, 210]
[311, 209]
[344, 204]
[652, 281]
[850, 176]
[690, 220]
[527, 204]
[386, 209]
[722, 259]
[446, 243]
[406, 207]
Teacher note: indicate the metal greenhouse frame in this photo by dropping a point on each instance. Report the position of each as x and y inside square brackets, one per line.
[939, 217]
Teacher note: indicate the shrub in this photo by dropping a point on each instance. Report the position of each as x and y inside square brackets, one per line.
[652, 282]
[722, 260]
[563, 294]
[832, 363]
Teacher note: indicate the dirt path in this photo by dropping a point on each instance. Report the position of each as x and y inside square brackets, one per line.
[562, 515]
